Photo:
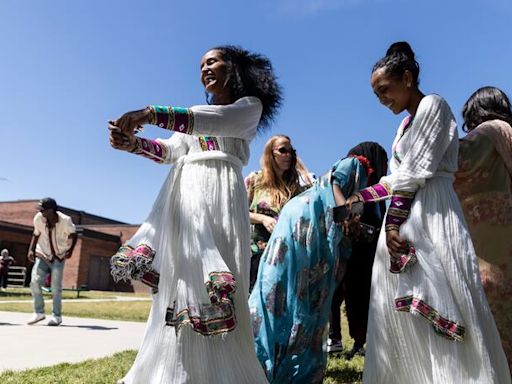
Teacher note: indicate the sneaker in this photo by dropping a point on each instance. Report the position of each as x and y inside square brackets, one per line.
[334, 345]
[36, 318]
[54, 321]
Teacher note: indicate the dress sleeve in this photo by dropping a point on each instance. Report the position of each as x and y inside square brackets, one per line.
[162, 151]
[433, 129]
[239, 120]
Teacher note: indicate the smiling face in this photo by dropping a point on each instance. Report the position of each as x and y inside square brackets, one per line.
[394, 93]
[214, 76]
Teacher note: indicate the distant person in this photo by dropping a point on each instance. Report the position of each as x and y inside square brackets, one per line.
[6, 261]
[484, 186]
[429, 320]
[355, 287]
[304, 260]
[269, 189]
[53, 241]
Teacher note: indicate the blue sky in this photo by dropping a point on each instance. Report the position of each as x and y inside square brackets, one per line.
[66, 67]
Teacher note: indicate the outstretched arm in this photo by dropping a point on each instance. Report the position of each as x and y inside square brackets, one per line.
[239, 119]
[158, 150]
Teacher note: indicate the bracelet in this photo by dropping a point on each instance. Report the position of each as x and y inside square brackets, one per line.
[152, 115]
[137, 148]
[391, 227]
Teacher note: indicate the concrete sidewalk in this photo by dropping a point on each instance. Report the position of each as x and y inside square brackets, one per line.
[76, 339]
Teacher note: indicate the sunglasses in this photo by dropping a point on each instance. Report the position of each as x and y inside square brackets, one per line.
[284, 150]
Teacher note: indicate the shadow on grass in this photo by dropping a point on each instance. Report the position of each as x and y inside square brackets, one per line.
[90, 327]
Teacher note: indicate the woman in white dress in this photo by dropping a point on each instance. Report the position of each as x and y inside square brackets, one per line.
[429, 320]
[194, 247]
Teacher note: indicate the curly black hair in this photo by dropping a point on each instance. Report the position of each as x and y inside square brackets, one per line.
[486, 103]
[251, 74]
[399, 58]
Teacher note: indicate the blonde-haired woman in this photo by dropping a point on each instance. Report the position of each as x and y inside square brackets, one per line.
[282, 176]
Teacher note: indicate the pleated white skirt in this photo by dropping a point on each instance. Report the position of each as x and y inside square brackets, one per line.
[198, 224]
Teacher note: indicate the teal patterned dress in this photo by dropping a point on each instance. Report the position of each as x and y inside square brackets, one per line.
[298, 271]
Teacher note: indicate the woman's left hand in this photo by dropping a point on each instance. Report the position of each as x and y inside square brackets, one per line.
[133, 121]
[395, 243]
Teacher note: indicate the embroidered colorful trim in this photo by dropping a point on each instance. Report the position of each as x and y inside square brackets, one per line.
[172, 118]
[209, 320]
[151, 279]
[209, 143]
[134, 264]
[151, 149]
[213, 318]
[220, 287]
[404, 261]
[398, 210]
[442, 326]
[376, 192]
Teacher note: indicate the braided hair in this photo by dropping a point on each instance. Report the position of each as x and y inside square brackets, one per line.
[399, 58]
[252, 74]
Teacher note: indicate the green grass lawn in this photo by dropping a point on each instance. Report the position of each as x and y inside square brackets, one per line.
[110, 369]
[95, 371]
[111, 310]
[24, 294]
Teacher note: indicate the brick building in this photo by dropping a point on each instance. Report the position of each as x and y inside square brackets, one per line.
[98, 239]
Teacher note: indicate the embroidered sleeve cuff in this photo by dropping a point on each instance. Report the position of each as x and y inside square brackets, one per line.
[376, 192]
[398, 210]
[172, 118]
[152, 149]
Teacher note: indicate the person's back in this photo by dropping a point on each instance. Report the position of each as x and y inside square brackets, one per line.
[484, 186]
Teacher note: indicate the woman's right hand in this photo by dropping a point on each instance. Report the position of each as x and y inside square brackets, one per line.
[121, 141]
[269, 223]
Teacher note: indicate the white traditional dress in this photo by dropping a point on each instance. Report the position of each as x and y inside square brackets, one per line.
[429, 321]
[199, 328]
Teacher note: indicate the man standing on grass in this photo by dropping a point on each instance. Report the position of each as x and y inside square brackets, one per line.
[49, 249]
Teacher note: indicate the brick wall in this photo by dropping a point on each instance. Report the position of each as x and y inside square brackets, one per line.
[23, 211]
[97, 242]
[19, 212]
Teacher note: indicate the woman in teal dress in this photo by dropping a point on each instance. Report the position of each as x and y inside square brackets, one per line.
[298, 271]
